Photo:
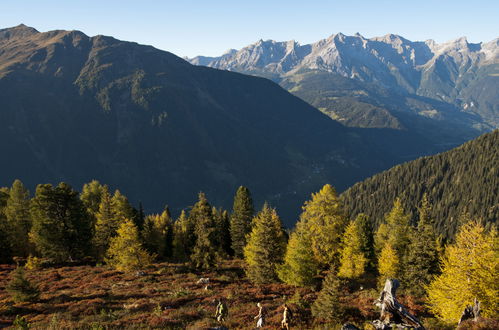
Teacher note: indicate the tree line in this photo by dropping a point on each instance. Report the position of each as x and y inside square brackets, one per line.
[325, 249]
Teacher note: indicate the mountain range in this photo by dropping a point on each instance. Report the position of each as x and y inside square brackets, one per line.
[388, 81]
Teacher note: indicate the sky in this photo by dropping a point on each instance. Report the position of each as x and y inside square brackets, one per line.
[203, 27]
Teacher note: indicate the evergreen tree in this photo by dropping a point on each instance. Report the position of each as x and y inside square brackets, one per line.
[91, 195]
[326, 221]
[388, 264]
[183, 237]
[155, 234]
[5, 251]
[139, 217]
[469, 270]
[205, 253]
[366, 234]
[265, 248]
[327, 306]
[353, 260]
[19, 219]
[240, 220]
[300, 266]
[61, 225]
[107, 223]
[222, 223]
[20, 288]
[421, 261]
[125, 252]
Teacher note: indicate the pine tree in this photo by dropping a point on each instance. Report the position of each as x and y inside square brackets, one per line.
[61, 225]
[469, 270]
[20, 288]
[327, 306]
[388, 264]
[5, 251]
[326, 221]
[366, 234]
[205, 253]
[300, 266]
[125, 252]
[353, 260]
[265, 248]
[155, 234]
[222, 224]
[240, 220]
[107, 223]
[420, 264]
[19, 219]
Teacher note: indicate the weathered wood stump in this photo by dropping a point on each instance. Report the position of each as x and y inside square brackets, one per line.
[393, 314]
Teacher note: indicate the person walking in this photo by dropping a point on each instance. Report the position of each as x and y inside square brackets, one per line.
[221, 312]
[260, 317]
[286, 317]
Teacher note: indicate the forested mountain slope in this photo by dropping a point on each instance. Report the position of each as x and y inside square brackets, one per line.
[76, 108]
[465, 179]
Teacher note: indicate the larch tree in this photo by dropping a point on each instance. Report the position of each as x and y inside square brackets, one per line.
[326, 220]
[353, 260]
[91, 195]
[19, 219]
[469, 270]
[265, 248]
[388, 264]
[106, 225]
[300, 267]
[184, 237]
[122, 207]
[205, 253]
[240, 220]
[61, 225]
[5, 250]
[126, 252]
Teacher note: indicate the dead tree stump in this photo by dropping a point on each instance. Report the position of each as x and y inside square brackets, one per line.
[392, 312]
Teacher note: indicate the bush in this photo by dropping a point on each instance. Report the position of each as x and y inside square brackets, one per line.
[21, 288]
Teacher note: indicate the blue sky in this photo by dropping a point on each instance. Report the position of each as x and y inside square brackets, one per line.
[189, 28]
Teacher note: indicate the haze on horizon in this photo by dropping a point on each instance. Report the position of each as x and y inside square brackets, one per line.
[190, 28]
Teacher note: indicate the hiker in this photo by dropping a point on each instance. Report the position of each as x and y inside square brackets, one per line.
[222, 311]
[286, 317]
[260, 316]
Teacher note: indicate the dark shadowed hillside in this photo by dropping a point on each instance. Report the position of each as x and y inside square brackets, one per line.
[75, 108]
[465, 179]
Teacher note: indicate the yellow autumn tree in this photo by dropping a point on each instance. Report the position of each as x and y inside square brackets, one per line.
[125, 251]
[388, 263]
[470, 268]
[352, 261]
[326, 220]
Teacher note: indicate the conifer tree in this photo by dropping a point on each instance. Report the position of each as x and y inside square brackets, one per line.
[5, 251]
[326, 220]
[366, 233]
[155, 234]
[91, 194]
[469, 270]
[265, 248]
[19, 219]
[122, 207]
[327, 306]
[240, 220]
[125, 252]
[353, 260]
[183, 237]
[388, 264]
[61, 225]
[420, 264]
[222, 223]
[300, 266]
[20, 288]
[107, 223]
[205, 253]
